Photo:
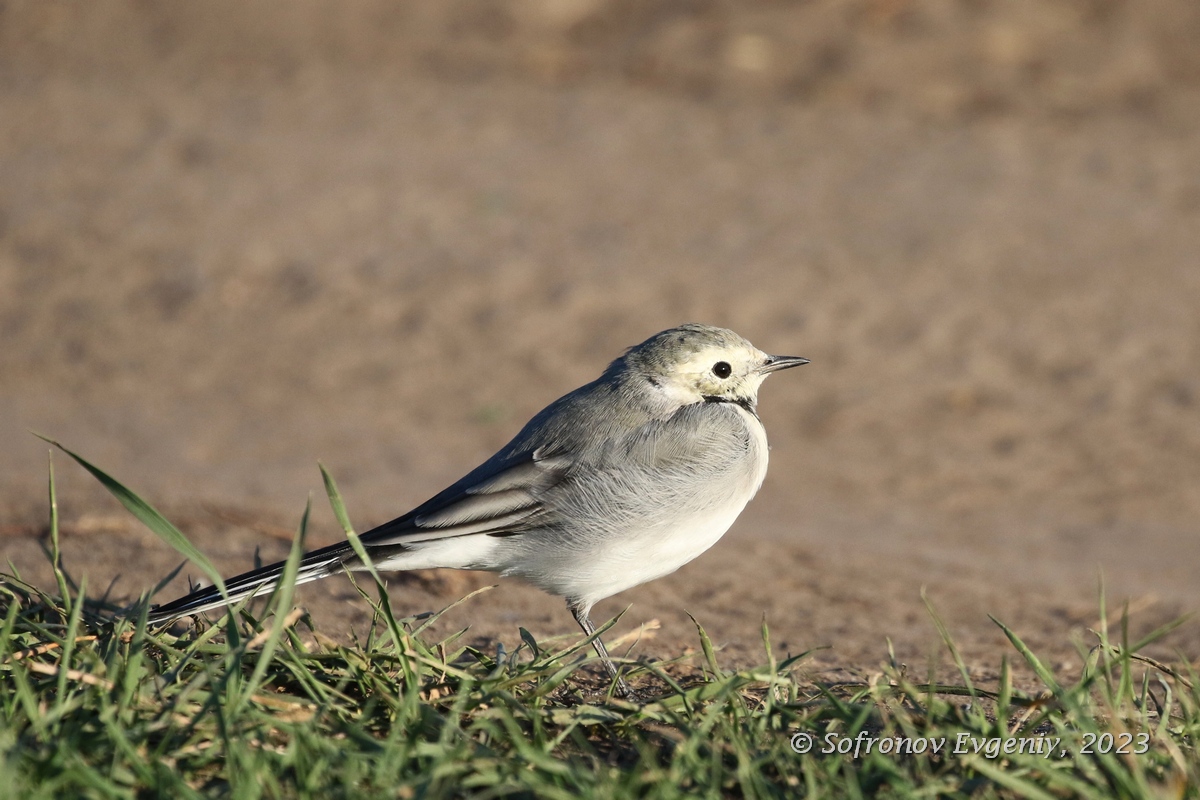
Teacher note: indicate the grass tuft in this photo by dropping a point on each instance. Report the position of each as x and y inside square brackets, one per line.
[259, 704]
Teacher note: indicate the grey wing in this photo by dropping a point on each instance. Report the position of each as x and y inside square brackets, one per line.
[496, 499]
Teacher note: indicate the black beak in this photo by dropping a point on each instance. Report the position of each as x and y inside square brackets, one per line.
[776, 363]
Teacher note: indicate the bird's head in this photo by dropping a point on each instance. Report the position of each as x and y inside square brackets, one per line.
[701, 363]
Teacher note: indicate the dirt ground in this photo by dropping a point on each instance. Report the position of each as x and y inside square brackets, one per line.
[236, 239]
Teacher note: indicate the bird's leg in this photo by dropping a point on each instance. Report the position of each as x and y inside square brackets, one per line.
[581, 616]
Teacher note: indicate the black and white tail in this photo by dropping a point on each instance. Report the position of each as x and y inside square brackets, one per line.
[316, 565]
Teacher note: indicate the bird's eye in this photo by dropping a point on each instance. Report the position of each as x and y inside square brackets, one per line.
[722, 369]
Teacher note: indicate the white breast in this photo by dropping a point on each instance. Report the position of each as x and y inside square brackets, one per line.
[664, 547]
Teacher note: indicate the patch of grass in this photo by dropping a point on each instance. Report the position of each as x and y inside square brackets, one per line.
[96, 704]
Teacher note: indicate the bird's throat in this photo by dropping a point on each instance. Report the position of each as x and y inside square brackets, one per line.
[744, 402]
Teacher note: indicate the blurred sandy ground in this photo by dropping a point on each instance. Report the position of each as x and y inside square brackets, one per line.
[236, 238]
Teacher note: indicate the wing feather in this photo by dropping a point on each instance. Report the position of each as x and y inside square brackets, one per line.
[500, 501]
[478, 507]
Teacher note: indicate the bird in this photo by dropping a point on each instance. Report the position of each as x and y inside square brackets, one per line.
[622, 481]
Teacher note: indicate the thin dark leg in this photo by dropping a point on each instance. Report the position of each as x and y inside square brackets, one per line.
[581, 616]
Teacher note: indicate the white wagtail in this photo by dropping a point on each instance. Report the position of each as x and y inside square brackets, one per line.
[621, 481]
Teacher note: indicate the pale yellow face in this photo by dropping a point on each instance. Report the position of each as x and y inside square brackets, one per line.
[696, 363]
[727, 372]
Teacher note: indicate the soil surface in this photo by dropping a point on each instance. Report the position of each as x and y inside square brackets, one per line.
[236, 239]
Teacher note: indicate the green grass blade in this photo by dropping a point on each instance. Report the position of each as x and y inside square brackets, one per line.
[944, 633]
[343, 518]
[1160, 632]
[56, 553]
[148, 516]
[335, 500]
[1044, 674]
[706, 646]
[68, 648]
[1023, 788]
[281, 601]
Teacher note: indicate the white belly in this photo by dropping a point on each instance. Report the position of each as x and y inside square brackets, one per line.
[661, 548]
[655, 554]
